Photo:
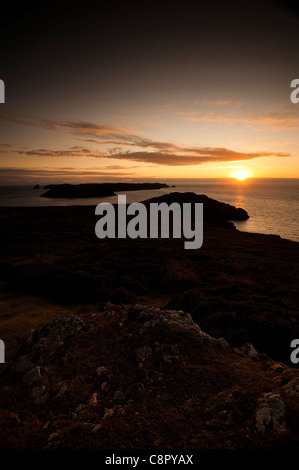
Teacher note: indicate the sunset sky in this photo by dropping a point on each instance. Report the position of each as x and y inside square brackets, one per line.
[149, 90]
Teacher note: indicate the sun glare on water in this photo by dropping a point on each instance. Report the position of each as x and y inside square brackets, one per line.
[241, 174]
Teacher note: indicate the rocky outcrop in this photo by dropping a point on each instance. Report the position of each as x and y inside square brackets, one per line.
[141, 376]
[270, 413]
[41, 344]
[213, 210]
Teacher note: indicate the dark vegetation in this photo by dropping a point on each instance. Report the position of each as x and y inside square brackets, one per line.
[240, 286]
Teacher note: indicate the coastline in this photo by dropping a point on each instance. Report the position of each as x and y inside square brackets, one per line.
[271, 203]
[239, 289]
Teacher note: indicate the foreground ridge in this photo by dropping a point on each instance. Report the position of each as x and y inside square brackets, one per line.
[139, 376]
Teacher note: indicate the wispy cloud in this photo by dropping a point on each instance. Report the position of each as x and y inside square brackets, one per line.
[115, 142]
[96, 133]
[281, 143]
[215, 102]
[71, 152]
[197, 156]
[275, 121]
[76, 128]
[171, 156]
[12, 174]
[4, 147]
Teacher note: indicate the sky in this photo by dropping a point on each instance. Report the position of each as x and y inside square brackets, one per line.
[148, 90]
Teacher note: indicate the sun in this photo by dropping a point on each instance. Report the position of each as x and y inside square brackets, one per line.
[241, 174]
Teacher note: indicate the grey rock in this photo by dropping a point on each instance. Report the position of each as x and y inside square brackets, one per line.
[222, 343]
[27, 339]
[291, 389]
[42, 399]
[108, 412]
[270, 413]
[250, 351]
[137, 391]
[38, 391]
[144, 353]
[33, 376]
[22, 364]
[44, 342]
[175, 349]
[80, 408]
[168, 358]
[40, 395]
[120, 411]
[97, 428]
[53, 436]
[79, 412]
[93, 401]
[62, 389]
[118, 396]
[101, 370]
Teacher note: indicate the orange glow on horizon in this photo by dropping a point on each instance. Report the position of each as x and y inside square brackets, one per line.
[241, 174]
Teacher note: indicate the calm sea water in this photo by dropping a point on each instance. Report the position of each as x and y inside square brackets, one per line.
[272, 204]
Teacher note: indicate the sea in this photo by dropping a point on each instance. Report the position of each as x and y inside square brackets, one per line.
[272, 203]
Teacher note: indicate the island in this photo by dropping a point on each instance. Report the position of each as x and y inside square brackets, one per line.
[95, 189]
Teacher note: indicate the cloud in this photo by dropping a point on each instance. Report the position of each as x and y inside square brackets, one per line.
[77, 128]
[71, 152]
[11, 175]
[170, 156]
[56, 171]
[111, 135]
[277, 121]
[216, 102]
[143, 150]
[281, 142]
[199, 156]
[4, 147]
